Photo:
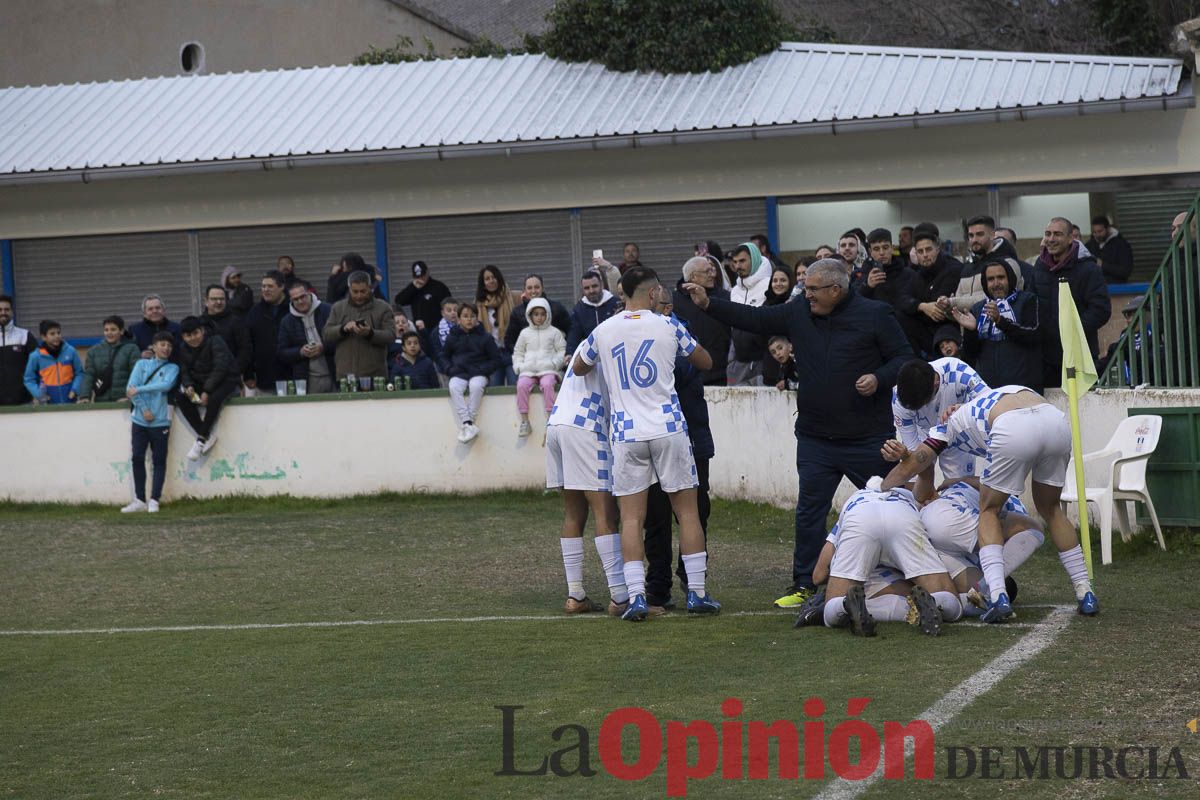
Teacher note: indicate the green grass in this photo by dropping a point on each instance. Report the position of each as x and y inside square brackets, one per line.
[407, 710]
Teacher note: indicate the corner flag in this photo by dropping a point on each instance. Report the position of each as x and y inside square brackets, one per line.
[1078, 375]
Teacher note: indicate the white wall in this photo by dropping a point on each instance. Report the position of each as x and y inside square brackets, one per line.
[407, 444]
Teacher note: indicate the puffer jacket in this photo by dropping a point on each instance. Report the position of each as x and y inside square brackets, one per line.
[56, 377]
[207, 367]
[540, 349]
[750, 291]
[121, 356]
[469, 354]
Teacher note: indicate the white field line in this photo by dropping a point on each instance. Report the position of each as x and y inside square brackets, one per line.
[953, 702]
[350, 623]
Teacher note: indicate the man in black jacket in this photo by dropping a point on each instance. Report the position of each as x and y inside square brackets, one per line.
[263, 322]
[300, 346]
[889, 280]
[1061, 260]
[228, 326]
[207, 377]
[935, 277]
[15, 346]
[713, 335]
[848, 350]
[424, 295]
[1112, 251]
[596, 305]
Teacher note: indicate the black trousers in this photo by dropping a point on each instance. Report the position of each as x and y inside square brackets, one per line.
[156, 440]
[191, 411]
[658, 537]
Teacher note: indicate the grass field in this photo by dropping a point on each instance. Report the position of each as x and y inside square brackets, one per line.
[407, 709]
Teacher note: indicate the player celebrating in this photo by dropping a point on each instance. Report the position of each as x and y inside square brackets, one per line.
[636, 351]
[1018, 432]
[924, 391]
[579, 460]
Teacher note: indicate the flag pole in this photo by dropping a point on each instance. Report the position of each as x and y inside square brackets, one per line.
[1085, 539]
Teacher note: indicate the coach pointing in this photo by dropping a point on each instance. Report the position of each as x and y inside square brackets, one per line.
[848, 351]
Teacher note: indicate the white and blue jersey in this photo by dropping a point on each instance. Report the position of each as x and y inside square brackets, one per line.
[636, 353]
[958, 384]
[968, 429]
[964, 498]
[582, 400]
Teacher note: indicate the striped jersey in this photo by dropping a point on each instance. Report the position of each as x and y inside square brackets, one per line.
[959, 384]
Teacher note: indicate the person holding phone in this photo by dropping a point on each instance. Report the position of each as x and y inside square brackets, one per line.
[360, 328]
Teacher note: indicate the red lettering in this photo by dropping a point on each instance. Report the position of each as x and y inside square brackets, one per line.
[649, 743]
[894, 735]
[678, 768]
[788, 739]
[731, 741]
[814, 740]
[868, 745]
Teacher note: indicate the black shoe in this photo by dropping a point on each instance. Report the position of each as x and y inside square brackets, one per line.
[1010, 588]
[812, 612]
[861, 621]
[924, 612]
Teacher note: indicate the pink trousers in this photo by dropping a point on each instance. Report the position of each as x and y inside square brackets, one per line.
[525, 384]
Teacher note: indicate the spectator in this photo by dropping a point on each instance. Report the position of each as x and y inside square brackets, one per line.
[1112, 251]
[154, 320]
[109, 364]
[300, 344]
[287, 266]
[469, 358]
[534, 288]
[904, 242]
[1062, 259]
[359, 330]
[1177, 223]
[263, 322]
[889, 280]
[401, 326]
[848, 352]
[714, 336]
[1145, 334]
[779, 289]
[414, 365]
[948, 341]
[152, 380]
[631, 256]
[448, 322]
[764, 247]
[853, 253]
[800, 270]
[239, 297]
[823, 251]
[1003, 335]
[495, 302]
[596, 305]
[424, 295]
[207, 378]
[1076, 234]
[983, 243]
[1008, 235]
[16, 344]
[538, 358]
[229, 326]
[934, 279]
[745, 369]
[336, 287]
[53, 372]
[781, 353]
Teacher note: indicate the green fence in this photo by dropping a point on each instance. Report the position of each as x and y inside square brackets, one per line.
[1173, 472]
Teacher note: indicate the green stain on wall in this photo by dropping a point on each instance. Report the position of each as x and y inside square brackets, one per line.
[240, 468]
[122, 468]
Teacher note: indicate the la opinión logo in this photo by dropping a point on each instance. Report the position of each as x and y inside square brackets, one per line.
[735, 748]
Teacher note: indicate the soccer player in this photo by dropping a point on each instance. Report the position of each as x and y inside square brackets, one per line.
[1018, 432]
[579, 461]
[876, 533]
[636, 351]
[924, 392]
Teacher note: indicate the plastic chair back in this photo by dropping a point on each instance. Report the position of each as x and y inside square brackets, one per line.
[1135, 436]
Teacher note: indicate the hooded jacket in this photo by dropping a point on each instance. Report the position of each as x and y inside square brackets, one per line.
[559, 318]
[364, 357]
[751, 291]
[154, 379]
[232, 328]
[470, 354]
[972, 288]
[1017, 358]
[292, 337]
[587, 315]
[540, 349]
[238, 301]
[207, 367]
[121, 358]
[15, 346]
[56, 374]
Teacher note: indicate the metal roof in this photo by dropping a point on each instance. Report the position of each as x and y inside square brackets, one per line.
[464, 106]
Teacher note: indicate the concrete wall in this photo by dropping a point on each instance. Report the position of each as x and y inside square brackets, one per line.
[405, 443]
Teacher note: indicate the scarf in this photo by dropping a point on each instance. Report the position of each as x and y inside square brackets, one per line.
[1069, 256]
[987, 329]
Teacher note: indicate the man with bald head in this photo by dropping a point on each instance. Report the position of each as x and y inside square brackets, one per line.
[714, 335]
[848, 351]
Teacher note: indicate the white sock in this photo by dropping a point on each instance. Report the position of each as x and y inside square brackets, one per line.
[635, 578]
[608, 547]
[695, 565]
[1072, 561]
[888, 608]
[835, 612]
[1020, 547]
[952, 610]
[572, 555]
[969, 609]
[991, 561]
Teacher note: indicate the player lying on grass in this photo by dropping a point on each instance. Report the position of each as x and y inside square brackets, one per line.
[1018, 432]
[879, 539]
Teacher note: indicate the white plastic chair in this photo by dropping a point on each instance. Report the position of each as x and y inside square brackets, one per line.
[1132, 443]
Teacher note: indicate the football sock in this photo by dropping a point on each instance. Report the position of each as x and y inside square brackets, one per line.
[608, 547]
[1019, 547]
[572, 556]
[835, 612]
[695, 566]
[991, 561]
[952, 609]
[1072, 561]
[635, 578]
[888, 608]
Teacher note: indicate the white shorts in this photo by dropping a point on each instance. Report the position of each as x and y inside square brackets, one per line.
[949, 529]
[1025, 439]
[956, 464]
[880, 578]
[876, 534]
[956, 563]
[667, 461]
[577, 459]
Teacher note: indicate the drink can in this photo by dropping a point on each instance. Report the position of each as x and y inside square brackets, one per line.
[407, 382]
[291, 389]
[379, 383]
[353, 381]
[343, 386]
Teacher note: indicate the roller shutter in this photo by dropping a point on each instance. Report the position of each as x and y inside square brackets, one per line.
[1144, 219]
[314, 247]
[78, 281]
[457, 247]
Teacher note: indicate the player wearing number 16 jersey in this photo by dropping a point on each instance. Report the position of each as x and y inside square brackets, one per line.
[636, 352]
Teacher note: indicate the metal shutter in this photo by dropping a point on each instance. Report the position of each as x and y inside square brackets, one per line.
[78, 281]
[665, 233]
[315, 248]
[1144, 219]
[457, 247]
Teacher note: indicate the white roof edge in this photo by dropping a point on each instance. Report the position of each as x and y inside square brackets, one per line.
[1001, 55]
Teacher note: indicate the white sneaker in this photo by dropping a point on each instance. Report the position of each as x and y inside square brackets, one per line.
[152, 506]
[525, 429]
[462, 433]
[134, 507]
[472, 432]
[209, 444]
[195, 452]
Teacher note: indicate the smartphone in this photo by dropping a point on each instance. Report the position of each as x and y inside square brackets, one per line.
[597, 254]
[702, 249]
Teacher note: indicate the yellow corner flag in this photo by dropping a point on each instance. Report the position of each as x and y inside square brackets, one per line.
[1078, 375]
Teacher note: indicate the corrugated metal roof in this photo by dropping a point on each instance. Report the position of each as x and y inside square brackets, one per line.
[443, 108]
